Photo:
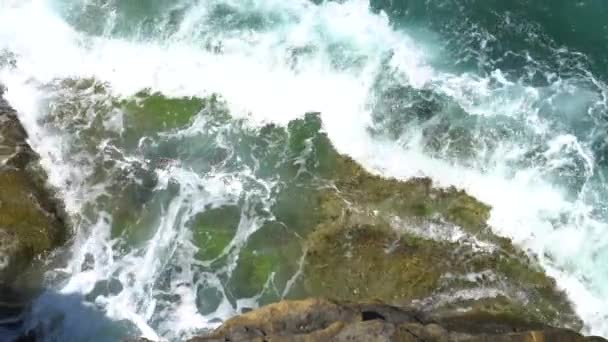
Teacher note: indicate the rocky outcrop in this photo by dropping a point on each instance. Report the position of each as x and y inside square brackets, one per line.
[426, 253]
[31, 219]
[399, 242]
[364, 237]
[343, 233]
[322, 320]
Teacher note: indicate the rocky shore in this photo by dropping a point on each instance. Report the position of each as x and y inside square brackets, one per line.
[398, 260]
[32, 222]
[322, 320]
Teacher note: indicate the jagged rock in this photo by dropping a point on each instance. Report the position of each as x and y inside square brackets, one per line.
[322, 320]
[32, 221]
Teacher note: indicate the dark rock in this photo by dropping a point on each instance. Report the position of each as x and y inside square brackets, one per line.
[32, 221]
[322, 320]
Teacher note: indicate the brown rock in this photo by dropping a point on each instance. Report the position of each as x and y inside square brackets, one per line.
[322, 320]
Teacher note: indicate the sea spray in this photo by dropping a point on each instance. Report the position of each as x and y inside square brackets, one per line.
[519, 129]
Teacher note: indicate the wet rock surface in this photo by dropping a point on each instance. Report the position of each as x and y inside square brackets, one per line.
[340, 232]
[368, 238]
[398, 242]
[322, 320]
[420, 262]
[365, 237]
[32, 221]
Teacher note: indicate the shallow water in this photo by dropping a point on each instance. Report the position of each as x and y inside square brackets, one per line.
[176, 191]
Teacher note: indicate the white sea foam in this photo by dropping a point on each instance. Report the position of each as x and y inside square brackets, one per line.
[256, 74]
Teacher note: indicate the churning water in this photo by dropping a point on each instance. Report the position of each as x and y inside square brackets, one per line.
[157, 120]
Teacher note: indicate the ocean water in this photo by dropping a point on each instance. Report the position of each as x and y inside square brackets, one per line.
[175, 129]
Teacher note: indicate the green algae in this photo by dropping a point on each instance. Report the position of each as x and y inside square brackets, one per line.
[354, 262]
[214, 229]
[360, 257]
[343, 210]
[305, 136]
[415, 197]
[147, 114]
[31, 221]
[88, 109]
[254, 271]
[267, 263]
[297, 206]
[152, 112]
[355, 251]
[21, 215]
[345, 216]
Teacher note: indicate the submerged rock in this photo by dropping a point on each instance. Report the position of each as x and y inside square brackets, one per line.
[365, 238]
[31, 219]
[322, 320]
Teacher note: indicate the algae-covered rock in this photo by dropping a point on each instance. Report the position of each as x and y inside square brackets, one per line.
[408, 241]
[31, 220]
[367, 261]
[214, 229]
[366, 237]
[266, 264]
[416, 198]
[148, 113]
[322, 320]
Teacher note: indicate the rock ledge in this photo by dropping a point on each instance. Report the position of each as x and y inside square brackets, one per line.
[323, 320]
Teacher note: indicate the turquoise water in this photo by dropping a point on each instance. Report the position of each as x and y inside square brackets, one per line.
[179, 191]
